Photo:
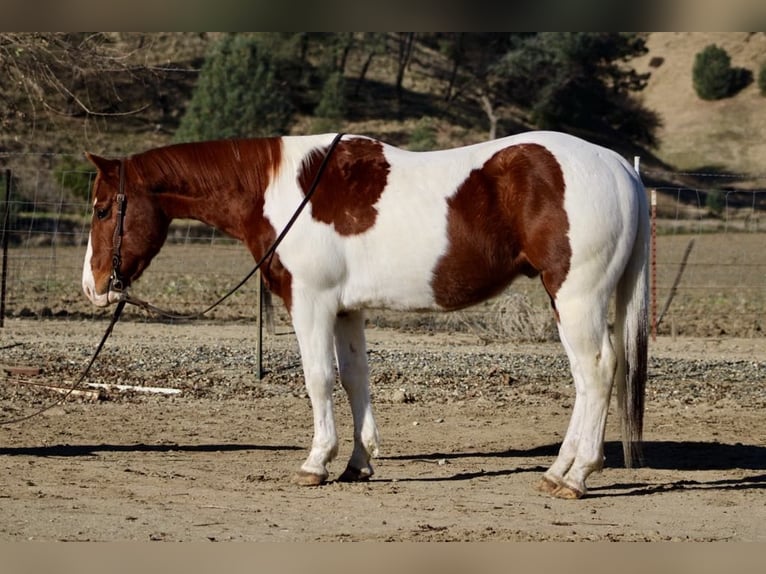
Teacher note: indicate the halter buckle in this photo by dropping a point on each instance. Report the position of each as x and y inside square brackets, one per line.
[116, 284]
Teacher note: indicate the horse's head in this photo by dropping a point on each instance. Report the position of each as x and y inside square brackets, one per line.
[127, 230]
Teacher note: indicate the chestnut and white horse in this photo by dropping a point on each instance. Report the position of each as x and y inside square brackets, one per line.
[389, 228]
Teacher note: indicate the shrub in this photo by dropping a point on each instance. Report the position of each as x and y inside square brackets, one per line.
[331, 109]
[715, 201]
[423, 137]
[332, 102]
[712, 74]
[74, 175]
[762, 79]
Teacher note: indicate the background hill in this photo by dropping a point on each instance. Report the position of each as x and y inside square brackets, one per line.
[141, 106]
[697, 135]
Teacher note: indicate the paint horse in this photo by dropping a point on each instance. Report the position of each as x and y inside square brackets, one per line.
[389, 228]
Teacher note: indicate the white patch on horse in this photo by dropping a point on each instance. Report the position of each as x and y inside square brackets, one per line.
[89, 282]
[409, 235]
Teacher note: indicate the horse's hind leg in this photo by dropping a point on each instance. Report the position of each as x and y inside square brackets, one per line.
[351, 355]
[584, 333]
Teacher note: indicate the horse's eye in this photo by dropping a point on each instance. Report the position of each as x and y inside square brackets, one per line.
[102, 213]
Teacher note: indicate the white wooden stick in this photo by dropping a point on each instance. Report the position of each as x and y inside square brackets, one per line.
[137, 388]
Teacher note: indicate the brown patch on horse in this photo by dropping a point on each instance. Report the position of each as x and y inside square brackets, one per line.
[182, 174]
[350, 186]
[239, 170]
[507, 218]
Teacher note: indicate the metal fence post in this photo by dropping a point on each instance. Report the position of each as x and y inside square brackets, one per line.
[258, 326]
[6, 233]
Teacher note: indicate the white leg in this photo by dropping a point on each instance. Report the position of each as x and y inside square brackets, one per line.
[585, 335]
[554, 476]
[351, 355]
[313, 319]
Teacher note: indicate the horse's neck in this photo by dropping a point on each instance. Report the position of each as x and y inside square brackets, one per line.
[217, 208]
[224, 189]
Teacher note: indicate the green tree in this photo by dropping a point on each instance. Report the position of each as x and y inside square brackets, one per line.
[579, 80]
[712, 74]
[74, 174]
[473, 72]
[239, 93]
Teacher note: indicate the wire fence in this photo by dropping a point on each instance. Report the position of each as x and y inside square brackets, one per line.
[720, 290]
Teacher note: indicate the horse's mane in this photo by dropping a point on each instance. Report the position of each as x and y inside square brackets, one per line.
[247, 164]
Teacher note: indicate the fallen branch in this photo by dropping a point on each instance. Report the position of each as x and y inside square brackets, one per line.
[136, 388]
[93, 390]
[90, 395]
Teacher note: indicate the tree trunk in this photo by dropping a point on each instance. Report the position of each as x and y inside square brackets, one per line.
[456, 58]
[486, 105]
[406, 42]
[363, 73]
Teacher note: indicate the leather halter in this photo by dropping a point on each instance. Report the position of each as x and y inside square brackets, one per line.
[116, 282]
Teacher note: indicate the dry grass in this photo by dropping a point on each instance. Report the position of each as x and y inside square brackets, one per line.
[722, 292]
[512, 316]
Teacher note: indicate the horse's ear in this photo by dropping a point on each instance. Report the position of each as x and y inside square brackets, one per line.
[108, 167]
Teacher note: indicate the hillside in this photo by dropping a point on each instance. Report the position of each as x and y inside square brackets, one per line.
[697, 135]
[726, 135]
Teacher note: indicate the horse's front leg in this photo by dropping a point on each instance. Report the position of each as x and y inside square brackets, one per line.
[313, 319]
[351, 355]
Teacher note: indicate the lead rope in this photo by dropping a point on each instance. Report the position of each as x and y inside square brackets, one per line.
[78, 382]
[126, 298]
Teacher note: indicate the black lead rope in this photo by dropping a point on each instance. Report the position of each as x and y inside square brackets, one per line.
[269, 252]
[78, 382]
[116, 280]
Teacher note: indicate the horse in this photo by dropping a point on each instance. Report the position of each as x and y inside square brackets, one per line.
[390, 228]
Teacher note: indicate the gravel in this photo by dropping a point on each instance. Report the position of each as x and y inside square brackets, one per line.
[434, 371]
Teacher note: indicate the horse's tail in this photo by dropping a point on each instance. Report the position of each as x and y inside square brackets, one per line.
[631, 336]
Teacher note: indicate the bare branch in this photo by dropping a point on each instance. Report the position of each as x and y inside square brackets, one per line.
[59, 70]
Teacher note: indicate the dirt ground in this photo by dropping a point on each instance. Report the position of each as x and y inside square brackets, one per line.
[467, 428]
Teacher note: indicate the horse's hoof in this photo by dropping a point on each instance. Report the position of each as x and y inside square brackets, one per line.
[547, 486]
[568, 493]
[303, 478]
[352, 474]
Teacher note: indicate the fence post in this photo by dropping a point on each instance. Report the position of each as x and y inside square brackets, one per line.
[6, 233]
[258, 326]
[654, 264]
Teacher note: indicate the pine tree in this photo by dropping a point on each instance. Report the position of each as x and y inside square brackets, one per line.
[238, 94]
[712, 73]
